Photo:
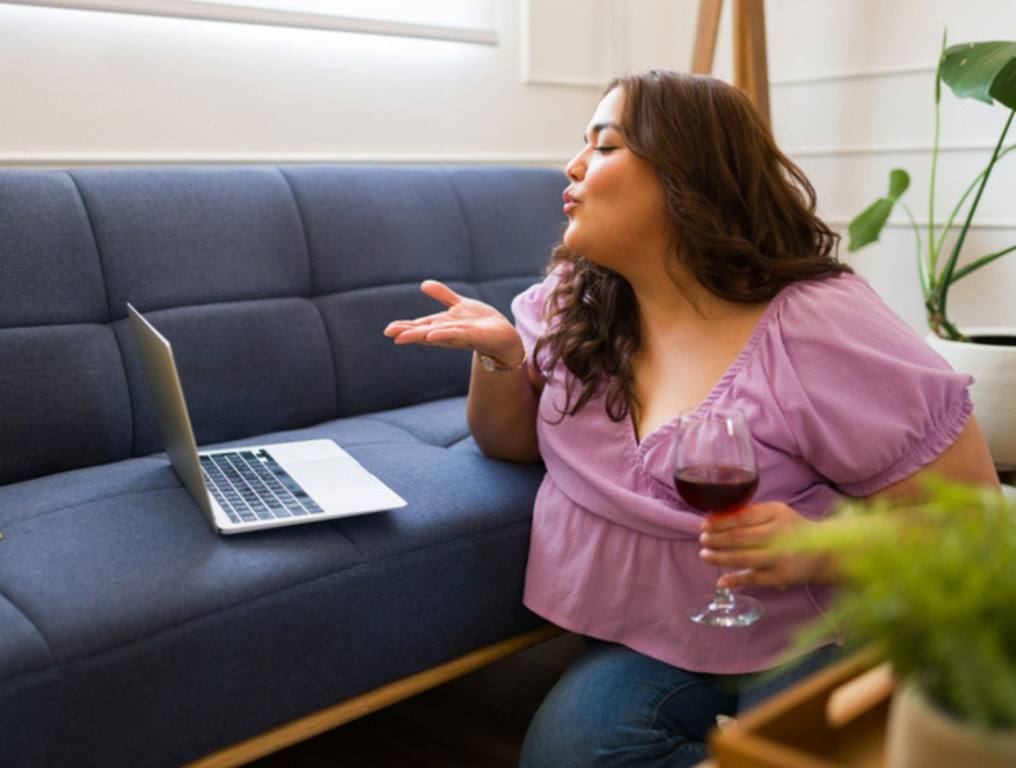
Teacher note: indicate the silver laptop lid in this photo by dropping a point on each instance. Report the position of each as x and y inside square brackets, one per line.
[174, 421]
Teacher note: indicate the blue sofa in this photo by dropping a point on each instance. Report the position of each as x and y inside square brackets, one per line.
[130, 633]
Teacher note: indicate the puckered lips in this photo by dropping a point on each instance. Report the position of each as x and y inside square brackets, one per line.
[571, 202]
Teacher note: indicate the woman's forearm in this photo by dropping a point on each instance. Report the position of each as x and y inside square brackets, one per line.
[501, 412]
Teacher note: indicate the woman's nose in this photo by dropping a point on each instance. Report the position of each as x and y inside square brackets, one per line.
[576, 167]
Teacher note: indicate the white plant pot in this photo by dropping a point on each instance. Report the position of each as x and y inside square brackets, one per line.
[922, 736]
[994, 389]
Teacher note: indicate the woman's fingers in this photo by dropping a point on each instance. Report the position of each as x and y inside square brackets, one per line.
[430, 318]
[782, 574]
[744, 537]
[464, 322]
[759, 568]
[393, 329]
[443, 334]
[401, 325]
[751, 578]
[754, 514]
[763, 568]
[743, 578]
[415, 335]
[448, 331]
[449, 339]
[423, 325]
[740, 558]
[440, 292]
[742, 542]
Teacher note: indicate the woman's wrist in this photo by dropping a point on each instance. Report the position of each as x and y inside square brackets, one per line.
[512, 356]
[497, 365]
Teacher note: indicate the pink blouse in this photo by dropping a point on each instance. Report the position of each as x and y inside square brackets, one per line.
[841, 398]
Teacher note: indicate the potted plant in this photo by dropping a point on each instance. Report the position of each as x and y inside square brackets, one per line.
[932, 585]
[985, 71]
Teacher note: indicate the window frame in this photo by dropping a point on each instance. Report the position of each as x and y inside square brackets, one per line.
[209, 10]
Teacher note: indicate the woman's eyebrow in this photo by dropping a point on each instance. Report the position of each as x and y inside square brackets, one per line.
[600, 127]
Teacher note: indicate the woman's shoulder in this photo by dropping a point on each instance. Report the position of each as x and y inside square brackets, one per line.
[844, 291]
[837, 318]
[843, 305]
[866, 400]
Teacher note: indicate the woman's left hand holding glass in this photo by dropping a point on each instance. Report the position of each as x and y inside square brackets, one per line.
[743, 541]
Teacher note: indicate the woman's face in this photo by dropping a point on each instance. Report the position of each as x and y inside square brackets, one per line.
[615, 203]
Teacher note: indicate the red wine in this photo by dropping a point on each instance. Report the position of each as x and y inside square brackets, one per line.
[716, 488]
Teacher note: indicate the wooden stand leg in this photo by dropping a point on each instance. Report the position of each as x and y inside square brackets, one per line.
[705, 36]
[750, 64]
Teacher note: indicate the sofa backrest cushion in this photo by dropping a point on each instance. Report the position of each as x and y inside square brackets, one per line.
[272, 283]
[64, 400]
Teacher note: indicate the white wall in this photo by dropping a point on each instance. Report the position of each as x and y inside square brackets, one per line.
[84, 87]
[851, 97]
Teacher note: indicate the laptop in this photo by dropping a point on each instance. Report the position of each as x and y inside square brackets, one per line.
[261, 486]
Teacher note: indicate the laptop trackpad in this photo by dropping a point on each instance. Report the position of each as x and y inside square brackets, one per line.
[329, 474]
[334, 478]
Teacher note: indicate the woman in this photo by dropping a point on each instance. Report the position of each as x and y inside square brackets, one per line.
[693, 275]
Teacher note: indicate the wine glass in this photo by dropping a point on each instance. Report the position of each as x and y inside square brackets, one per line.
[715, 473]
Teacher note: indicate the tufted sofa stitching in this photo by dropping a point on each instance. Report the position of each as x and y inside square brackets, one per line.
[32, 623]
[176, 488]
[95, 242]
[84, 502]
[470, 240]
[13, 525]
[53, 325]
[303, 228]
[313, 287]
[394, 423]
[507, 279]
[464, 541]
[125, 336]
[471, 283]
[477, 285]
[131, 395]
[459, 442]
[109, 312]
[373, 417]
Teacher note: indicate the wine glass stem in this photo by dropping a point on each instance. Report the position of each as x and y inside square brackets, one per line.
[723, 598]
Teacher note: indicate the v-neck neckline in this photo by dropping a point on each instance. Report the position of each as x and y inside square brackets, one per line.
[721, 385]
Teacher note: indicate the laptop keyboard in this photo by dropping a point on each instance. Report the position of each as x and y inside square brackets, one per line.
[251, 486]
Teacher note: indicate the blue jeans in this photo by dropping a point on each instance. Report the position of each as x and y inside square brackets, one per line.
[615, 707]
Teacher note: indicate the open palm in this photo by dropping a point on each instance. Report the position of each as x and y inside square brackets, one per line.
[465, 324]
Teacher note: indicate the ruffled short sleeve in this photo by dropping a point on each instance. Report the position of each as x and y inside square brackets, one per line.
[529, 311]
[865, 399]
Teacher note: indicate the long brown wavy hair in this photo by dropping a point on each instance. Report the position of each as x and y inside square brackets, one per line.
[742, 215]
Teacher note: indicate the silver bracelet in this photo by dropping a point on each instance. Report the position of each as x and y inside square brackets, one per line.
[492, 365]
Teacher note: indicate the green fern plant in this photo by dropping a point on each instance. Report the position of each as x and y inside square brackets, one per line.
[933, 586]
[984, 71]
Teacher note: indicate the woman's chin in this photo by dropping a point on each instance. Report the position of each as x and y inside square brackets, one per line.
[580, 246]
[572, 240]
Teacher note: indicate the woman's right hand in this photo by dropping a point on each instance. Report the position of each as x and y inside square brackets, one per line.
[465, 324]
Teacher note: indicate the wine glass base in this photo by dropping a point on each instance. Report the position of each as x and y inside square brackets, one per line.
[738, 612]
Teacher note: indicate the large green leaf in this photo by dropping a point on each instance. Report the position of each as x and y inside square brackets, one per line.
[868, 224]
[983, 71]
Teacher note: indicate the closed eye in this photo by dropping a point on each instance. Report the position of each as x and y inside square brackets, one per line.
[605, 150]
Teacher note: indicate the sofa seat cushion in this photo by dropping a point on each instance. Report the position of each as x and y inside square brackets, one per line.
[129, 608]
